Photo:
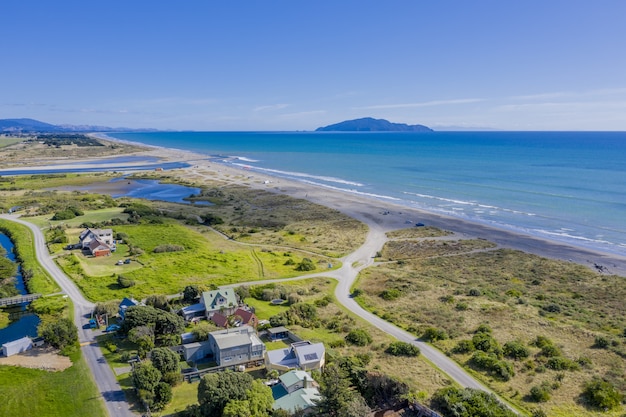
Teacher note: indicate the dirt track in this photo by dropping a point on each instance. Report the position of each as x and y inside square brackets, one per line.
[46, 359]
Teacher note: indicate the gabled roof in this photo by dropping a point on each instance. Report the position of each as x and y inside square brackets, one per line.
[298, 400]
[219, 320]
[128, 302]
[216, 299]
[245, 315]
[298, 354]
[293, 377]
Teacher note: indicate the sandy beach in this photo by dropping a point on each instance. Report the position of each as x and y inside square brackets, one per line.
[384, 215]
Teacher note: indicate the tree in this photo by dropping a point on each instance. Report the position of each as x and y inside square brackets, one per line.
[217, 389]
[238, 408]
[162, 395]
[399, 348]
[158, 301]
[516, 350]
[146, 376]
[59, 333]
[110, 308]
[168, 323]
[191, 293]
[165, 360]
[260, 399]
[334, 391]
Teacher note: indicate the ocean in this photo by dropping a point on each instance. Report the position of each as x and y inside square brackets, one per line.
[564, 186]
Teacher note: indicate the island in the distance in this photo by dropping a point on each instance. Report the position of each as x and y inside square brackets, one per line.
[369, 124]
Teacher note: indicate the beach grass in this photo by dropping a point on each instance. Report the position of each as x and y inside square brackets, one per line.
[520, 297]
[33, 392]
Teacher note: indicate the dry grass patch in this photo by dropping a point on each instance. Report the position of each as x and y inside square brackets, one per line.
[418, 232]
[520, 296]
[412, 249]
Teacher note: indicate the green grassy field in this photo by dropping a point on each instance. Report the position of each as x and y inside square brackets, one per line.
[207, 259]
[4, 142]
[32, 392]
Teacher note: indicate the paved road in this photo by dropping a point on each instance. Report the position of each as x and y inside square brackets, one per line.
[110, 389]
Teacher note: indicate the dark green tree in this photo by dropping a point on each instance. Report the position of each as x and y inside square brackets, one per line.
[602, 394]
[60, 333]
[191, 293]
[334, 391]
[217, 389]
[146, 376]
[165, 360]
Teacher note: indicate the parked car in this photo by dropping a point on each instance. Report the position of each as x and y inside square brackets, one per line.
[127, 261]
[112, 328]
[120, 262]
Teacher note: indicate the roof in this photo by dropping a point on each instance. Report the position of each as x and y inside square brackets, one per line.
[310, 353]
[293, 377]
[283, 357]
[244, 314]
[300, 399]
[19, 342]
[219, 319]
[194, 308]
[128, 302]
[275, 330]
[216, 299]
[227, 341]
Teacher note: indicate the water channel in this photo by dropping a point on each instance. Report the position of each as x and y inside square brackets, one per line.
[22, 322]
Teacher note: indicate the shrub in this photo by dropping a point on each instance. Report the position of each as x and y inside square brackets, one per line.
[490, 363]
[483, 328]
[601, 342]
[464, 346]
[462, 306]
[125, 282]
[602, 394]
[552, 308]
[559, 363]
[433, 334]
[359, 337]
[516, 350]
[168, 248]
[390, 294]
[486, 343]
[474, 292]
[540, 393]
[399, 348]
[306, 265]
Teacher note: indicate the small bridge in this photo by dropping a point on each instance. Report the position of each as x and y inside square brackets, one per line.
[20, 299]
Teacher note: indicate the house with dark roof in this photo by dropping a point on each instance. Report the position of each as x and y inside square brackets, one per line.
[300, 355]
[236, 346]
[241, 317]
[98, 242]
[223, 301]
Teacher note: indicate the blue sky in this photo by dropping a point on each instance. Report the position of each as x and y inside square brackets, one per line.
[296, 65]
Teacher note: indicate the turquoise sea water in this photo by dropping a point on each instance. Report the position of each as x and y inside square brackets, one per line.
[566, 186]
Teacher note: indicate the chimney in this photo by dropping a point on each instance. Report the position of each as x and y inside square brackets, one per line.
[306, 383]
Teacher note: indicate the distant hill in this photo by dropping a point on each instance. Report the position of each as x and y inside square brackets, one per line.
[32, 125]
[368, 124]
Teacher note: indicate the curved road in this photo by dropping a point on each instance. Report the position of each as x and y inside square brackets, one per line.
[110, 389]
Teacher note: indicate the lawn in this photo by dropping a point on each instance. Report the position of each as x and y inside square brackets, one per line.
[32, 392]
[206, 259]
[93, 216]
[4, 142]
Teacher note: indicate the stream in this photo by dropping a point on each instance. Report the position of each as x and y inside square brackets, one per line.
[23, 323]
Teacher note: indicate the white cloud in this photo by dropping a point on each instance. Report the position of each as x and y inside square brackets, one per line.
[270, 107]
[421, 104]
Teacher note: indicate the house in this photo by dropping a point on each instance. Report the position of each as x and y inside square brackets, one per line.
[236, 346]
[240, 317]
[300, 355]
[192, 311]
[296, 391]
[17, 346]
[98, 242]
[125, 304]
[223, 301]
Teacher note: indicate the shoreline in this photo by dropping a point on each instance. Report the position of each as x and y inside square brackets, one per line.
[385, 215]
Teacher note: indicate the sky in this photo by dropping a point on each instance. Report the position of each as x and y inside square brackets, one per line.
[285, 65]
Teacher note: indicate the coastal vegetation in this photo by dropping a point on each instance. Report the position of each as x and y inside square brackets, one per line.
[544, 334]
[517, 321]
